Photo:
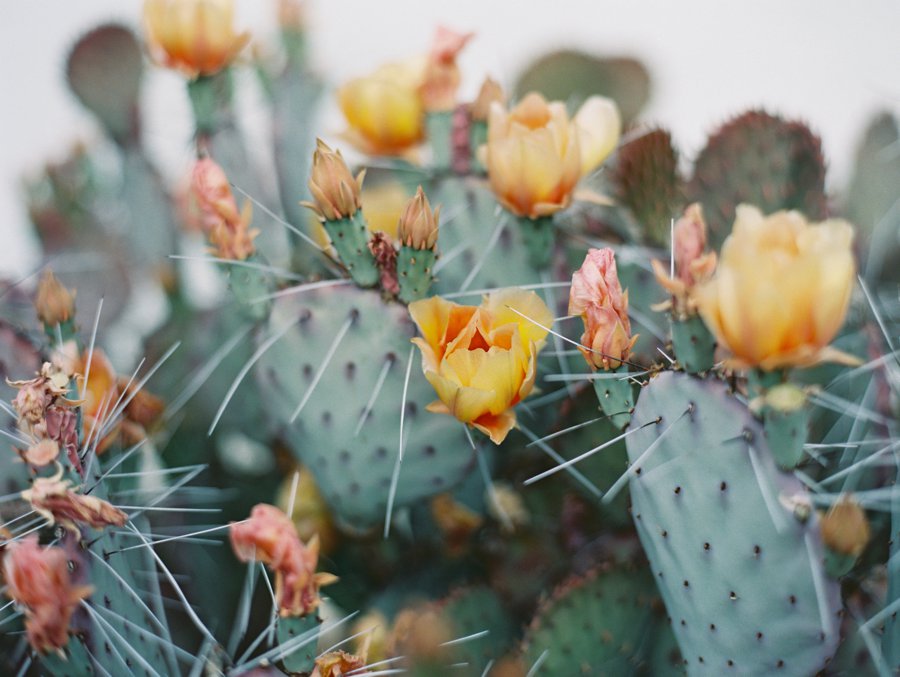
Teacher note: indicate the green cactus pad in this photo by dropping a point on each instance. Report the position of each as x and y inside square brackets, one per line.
[301, 660]
[350, 238]
[594, 625]
[647, 181]
[760, 159]
[104, 71]
[353, 470]
[474, 610]
[415, 272]
[616, 396]
[569, 75]
[741, 576]
[693, 343]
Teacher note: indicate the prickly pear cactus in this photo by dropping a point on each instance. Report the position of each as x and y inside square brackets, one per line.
[731, 539]
[337, 385]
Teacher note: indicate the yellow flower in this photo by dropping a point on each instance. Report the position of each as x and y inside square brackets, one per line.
[384, 109]
[781, 289]
[482, 360]
[195, 37]
[535, 154]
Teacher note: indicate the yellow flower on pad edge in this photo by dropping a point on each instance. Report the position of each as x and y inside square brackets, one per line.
[781, 290]
[482, 360]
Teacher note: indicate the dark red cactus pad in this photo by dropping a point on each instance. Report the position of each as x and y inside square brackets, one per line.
[760, 159]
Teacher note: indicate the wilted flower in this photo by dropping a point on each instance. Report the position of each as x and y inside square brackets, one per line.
[693, 265]
[269, 536]
[384, 109]
[418, 226]
[845, 528]
[335, 191]
[337, 664]
[38, 580]
[441, 78]
[54, 303]
[195, 37]
[227, 229]
[41, 453]
[490, 92]
[535, 154]
[596, 295]
[482, 360]
[54, 499]
[781, 289]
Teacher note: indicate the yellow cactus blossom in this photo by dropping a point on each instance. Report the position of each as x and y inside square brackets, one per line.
[196, 37]
[384, 109]
[536, 154]
[781, 290]
[482, 360]
[383, 204]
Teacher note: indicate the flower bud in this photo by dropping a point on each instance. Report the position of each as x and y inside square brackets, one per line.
[845, 528]
[489, 93]
[596, 295]
[335, 191]
[195, 37]
[54, 303]
[442, 77]
[227, 229]
[693, 265]
[418, 227]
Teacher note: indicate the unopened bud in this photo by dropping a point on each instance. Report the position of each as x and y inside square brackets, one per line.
[54, 303]
[418, 226]
[489, 93]
[334, 190]
[845, 528]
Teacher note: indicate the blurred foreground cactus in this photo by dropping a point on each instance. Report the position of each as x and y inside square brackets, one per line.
[475, 407]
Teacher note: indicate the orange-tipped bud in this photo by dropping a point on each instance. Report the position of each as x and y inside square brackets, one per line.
[335, 192]
[442, 77]
[54, 303]
[38, 580]
[418, 227]
[845, 528]
[490, 92]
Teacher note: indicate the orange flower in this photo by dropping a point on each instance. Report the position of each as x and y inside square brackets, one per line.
[781, 290]
[38, 580]
[535, 154]
[269, 536]
[100, 397]
[596, 295]
[482, 361]
[195, 37]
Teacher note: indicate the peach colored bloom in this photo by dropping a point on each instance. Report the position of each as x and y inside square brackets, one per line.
[535, 154]
[269, 536]
[482, 361]
[596, 295]
[195, 37]
[781, 290]
[441, 78]
[38, 580]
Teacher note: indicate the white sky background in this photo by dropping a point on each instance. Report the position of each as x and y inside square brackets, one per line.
[831, 62]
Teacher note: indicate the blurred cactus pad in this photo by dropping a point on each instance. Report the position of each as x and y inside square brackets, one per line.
[512, 386]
